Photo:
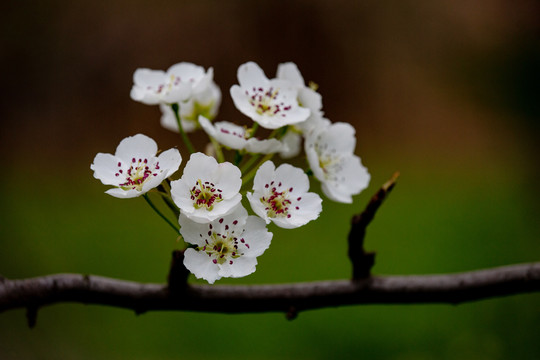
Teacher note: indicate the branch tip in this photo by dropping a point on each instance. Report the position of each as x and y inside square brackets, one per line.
[361, 260]
[31, 316]
[292, 313]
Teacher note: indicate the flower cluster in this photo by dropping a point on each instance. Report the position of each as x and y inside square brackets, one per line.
[222, 239]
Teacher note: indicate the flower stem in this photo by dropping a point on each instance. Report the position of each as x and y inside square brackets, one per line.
[253, 130]
[217, 148]
[250, 163]
[253, 171]
[176, 229]
[175, 109]
[238, 156]
[170, 203]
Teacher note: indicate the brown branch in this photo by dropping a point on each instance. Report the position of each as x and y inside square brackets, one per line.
[363, 261]
[290, 299]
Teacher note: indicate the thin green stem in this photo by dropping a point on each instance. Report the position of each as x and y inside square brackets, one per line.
[253, 130]
[175, 107]
[250, 163]
[253, 171]
[218, 150]
[238, 156]
[176, 228]
[170, 203]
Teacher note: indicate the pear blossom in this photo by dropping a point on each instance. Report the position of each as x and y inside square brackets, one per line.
[205, 102]
[135, 169]
[270, 103]
[207, 190]
[281, 196]
[225, 247]
[236, 137]
[292, 143]
[307, 96]
[330, 153]
[177, 84]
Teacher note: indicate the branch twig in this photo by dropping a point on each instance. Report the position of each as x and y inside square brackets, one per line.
[287, 298]
[363, 261]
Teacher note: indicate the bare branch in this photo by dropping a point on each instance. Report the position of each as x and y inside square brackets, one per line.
[287, 298]
[363, 261]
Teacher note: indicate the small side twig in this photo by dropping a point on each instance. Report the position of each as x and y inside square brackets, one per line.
[178, 274]
[363, 261]
[31, 316]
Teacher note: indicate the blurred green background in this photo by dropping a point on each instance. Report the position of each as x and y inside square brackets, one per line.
[446, 92]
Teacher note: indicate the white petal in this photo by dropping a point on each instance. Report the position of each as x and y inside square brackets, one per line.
[123, 194]
[227, 134]
[136, 146]
[105, 168]
[201, 265]
[250, 74]
[340, 136]
[294, 116]
[241, 101]
[228, 178]
[292, 144]
[257, 206]
[240, 267]
[187, 72]
[257, 235]
[170, 161]
[310, 99]
[191, 230]
[266, 146]
[146, 77]
[202, 215]
[289, 71]
[207, 126]
[264, 175]
[310, 208]
[199, 167]
[292, 177]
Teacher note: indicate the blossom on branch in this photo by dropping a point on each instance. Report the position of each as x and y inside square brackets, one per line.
[135, 169]
[330, 153]
[205, 102]
[281, 196]
[237, 138]
[270, 103]
[225, 247]
[207, 190]
[181, 80]
[307, 97]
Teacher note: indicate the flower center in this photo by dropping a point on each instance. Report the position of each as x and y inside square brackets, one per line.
[266, 102]
[205, 195]
[166, 87]
[276, 202]
[329, 161]
[241, 135]
[222, 248]
[137, 173]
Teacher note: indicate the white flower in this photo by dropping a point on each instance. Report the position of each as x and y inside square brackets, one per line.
[235, 137]
[135, 169]
[292, 143]
[207, 190]
[271, 103]
[281, 195]
[330, 153]
[205, 103]
[307, 97]
[177, 84]
[225, 247]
